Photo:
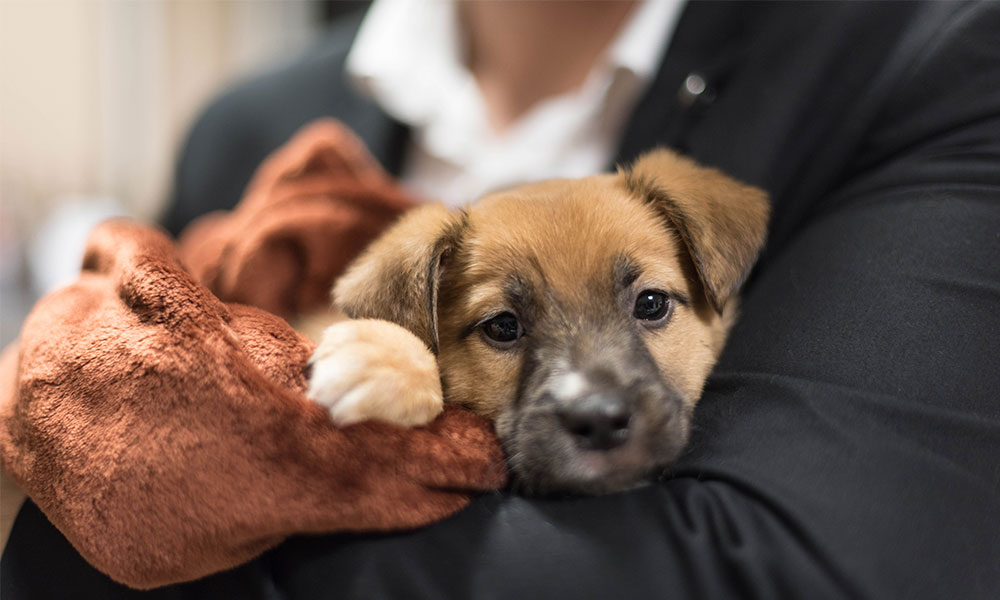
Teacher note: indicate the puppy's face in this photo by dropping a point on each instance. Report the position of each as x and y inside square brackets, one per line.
[578, 314]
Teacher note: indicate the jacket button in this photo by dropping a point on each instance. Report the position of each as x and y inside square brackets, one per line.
[691, 90]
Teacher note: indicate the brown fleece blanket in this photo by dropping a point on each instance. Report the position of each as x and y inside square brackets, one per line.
[163, 428]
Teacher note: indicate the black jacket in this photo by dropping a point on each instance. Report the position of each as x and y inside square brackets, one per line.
[848, 442]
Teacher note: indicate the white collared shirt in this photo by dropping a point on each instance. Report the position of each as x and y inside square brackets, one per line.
[407, 57]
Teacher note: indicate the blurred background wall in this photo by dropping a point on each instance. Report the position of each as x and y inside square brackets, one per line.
[95, 100]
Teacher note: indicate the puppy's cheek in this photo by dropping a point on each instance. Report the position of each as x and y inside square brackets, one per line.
[477, 377]
[665, 421]
[668, 445]
[686, 351]
[504, 424]
[506, 428]
[539, 453]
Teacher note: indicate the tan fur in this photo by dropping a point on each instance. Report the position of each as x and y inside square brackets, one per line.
[395, 277]
[690, 230]
[598, 217]
[722, 222]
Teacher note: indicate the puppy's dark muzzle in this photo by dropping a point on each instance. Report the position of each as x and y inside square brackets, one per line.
[594, 414]
[598, 421]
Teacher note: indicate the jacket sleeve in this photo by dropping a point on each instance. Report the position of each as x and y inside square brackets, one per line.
[847, 444]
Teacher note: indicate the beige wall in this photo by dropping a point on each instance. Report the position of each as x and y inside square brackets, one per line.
[95, 95]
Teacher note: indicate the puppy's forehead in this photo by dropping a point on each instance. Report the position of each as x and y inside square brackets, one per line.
[567, 232]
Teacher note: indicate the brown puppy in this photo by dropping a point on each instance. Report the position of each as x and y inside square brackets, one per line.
[583, 316]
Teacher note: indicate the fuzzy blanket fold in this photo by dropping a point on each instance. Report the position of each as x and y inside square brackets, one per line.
[163, 429]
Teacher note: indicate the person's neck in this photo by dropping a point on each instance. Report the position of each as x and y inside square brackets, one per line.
[522, 51]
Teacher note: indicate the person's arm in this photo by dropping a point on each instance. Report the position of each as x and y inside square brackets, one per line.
[846, 446]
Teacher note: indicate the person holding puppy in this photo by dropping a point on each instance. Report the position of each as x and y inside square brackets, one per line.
[846, 443]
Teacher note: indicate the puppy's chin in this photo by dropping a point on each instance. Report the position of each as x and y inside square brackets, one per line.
[546, 461]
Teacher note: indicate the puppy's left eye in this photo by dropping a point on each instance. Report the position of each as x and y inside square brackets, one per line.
[651, 306]
[502, 331]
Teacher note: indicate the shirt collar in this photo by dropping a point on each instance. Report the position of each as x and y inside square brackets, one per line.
[406, 52]
[640, 45]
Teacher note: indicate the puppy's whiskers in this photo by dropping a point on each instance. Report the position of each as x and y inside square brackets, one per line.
[511, 459]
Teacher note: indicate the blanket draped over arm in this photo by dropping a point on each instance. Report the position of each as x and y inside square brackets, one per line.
[163, 428]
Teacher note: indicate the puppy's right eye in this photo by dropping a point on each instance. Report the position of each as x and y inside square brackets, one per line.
[651, 306]
[502, 330]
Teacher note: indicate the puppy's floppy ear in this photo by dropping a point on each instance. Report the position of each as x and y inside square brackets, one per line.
[722, 222]
[396, 278]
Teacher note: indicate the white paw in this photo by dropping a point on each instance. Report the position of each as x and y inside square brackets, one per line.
[369, 369]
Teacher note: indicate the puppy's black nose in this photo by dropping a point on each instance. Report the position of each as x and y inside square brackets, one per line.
[598, 421]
